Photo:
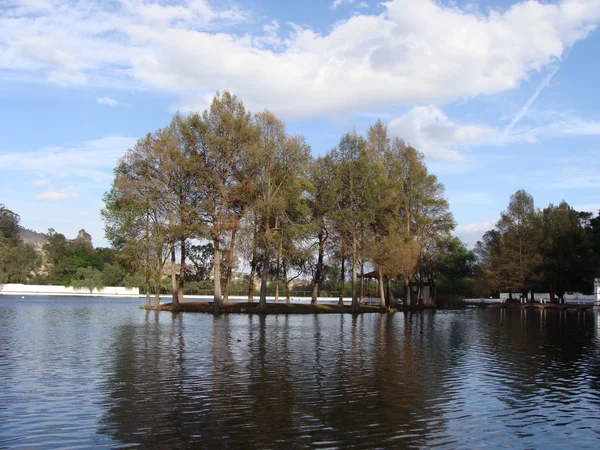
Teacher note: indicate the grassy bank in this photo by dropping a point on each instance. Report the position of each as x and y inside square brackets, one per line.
[275, 308]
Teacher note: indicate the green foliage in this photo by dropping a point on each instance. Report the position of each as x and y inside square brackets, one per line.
[112, 275]
[88, 278]
[133, 280]
[550, 250]
[18, 261]
[9, 225]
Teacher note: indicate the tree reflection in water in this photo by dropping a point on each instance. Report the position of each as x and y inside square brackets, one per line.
[414, 379]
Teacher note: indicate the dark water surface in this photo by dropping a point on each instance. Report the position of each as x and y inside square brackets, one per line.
[83, 372]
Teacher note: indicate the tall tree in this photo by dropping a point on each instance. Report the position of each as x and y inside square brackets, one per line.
[322, 201]
[280, 162]
[226, 136]
[139, 210]
[355, 197]
[520, 228]
[564, 256]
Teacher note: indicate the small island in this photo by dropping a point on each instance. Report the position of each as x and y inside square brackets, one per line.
[225, 203]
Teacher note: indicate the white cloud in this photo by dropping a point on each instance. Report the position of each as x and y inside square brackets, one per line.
[412, 53]
[53, 195]
[107, 101]
[477, 227]
[337, 3]
[428, 129]
[40, 182]
[92, 160]
[472, 232]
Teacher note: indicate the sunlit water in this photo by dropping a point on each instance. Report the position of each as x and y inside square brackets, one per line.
[83, 372]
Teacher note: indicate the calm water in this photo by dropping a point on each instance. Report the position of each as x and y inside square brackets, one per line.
[98, 372]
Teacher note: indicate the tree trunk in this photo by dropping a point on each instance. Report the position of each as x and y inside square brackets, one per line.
[147, 263]
[217, 300]
[287, 284]
[432, 292]
[253, 263]
[251, 277]
[148, 304]
[229, 268]
[157, 292]
[317, 281]
[382, 302]
[182, 272]
[390, 292]
[174, 286]
[262, 305]
[362, 282]
[355, 306]
[278, 263]
[342, 277]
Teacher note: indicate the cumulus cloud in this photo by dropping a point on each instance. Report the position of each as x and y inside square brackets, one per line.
[477, 227]
[107, 101]
[53, 195]
[472, 232]
[412, 53]
[433, 133]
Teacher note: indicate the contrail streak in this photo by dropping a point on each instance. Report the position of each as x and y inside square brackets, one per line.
[527, 105]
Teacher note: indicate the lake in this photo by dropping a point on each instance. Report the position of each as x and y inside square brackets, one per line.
[97, 372]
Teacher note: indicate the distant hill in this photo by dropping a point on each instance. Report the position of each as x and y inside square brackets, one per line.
[33, 237]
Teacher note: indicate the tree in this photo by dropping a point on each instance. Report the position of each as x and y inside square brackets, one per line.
[565, 259]
[9, 225]
[520, 227]
[59, 258]
[200, 257]
[138, 212]
[17, 260]
[449, 265]
[88, 278]
[490, 269]
[354, 190]
[426, 214]
[113, 274]
[280, 163]
[322, 201]
[225, 136]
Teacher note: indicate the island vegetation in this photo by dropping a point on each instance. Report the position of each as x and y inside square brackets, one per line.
[553, 250]
[226, 202]
[239, 183]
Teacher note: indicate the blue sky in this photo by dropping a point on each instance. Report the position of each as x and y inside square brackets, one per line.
[499, 96]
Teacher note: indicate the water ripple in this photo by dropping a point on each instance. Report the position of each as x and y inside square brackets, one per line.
[77, 374]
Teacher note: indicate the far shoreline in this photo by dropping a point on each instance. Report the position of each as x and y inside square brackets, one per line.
[282, 308]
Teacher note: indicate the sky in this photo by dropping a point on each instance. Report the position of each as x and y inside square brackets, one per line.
[499, 96]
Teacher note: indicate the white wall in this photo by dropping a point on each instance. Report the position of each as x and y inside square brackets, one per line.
[34, 289]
